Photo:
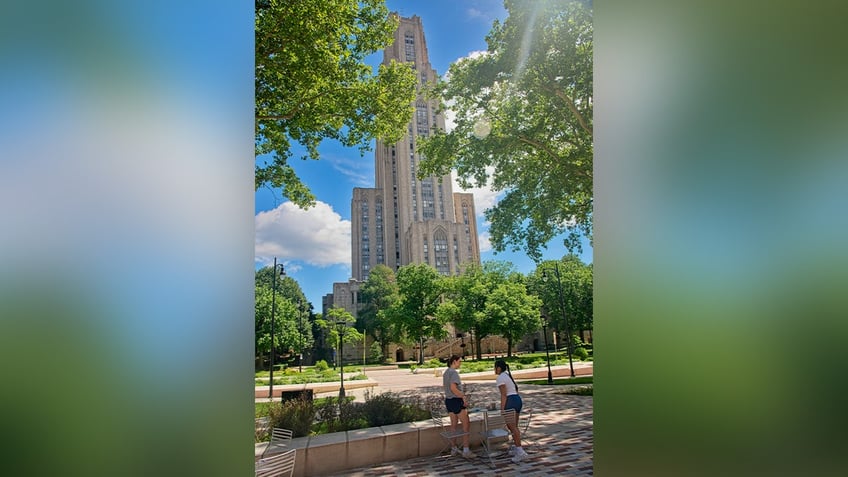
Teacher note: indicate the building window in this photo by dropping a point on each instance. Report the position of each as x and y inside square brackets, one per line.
[428, 209]
[440, 251]
[423, 128]
[409, 46]
[426, 251]
[441, 202]
[456, 252]
[378, 217]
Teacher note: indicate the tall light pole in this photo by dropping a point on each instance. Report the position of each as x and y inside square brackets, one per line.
[547, 354]
[564, 315]
[273, 311]
[341, 325]
[300, 332]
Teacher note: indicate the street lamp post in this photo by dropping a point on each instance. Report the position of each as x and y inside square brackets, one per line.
[564, 315]
[300, 330]
[273, 311]
[547, 354]
[340, 326]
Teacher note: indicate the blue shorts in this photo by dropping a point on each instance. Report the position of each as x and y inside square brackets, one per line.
[513, 401]
[454, 405]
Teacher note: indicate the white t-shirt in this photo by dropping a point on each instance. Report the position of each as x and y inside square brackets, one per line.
[504, 379]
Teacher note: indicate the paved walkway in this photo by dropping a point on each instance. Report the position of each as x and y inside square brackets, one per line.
[560, 435]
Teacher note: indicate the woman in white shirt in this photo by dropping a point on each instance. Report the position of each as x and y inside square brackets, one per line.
[510, 400]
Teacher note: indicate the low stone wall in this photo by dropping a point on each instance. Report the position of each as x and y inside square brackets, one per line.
[262, 391]
[334, 453]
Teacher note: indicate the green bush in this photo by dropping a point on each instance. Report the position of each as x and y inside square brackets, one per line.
[581, 354]
[389, 408]
[336, 416]
[296, 414]
[321, 365]
[434, 363]
[376, 353]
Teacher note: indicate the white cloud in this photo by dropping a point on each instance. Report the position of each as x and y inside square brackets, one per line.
[485, 242]
[450, 115]
[317, 236]
[358, 169]
[484, 197]
[478, 14]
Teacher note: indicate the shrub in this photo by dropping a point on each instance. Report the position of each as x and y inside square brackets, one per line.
[581, 353]
[376, 353]
[390, 408]
[296, 414]
[321, 365]
[434, 363]
[336, 416]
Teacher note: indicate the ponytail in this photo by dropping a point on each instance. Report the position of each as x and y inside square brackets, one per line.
[505, 367]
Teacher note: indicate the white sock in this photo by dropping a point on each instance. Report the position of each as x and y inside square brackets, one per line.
[465, 449]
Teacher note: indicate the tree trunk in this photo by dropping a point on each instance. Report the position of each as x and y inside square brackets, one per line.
[509, 347]
[479, 342]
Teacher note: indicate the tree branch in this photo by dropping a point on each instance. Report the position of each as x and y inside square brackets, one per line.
[571, 106]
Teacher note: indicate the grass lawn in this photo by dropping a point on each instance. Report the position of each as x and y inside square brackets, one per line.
[561, 381]
[310, 375]
[516, 362]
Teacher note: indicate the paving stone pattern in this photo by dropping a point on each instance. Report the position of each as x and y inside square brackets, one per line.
[560, 439]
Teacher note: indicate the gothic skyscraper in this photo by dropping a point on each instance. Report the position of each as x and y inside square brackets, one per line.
[405, 220]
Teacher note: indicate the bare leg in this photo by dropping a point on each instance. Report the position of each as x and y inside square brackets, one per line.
[466, 426]
[516, 435]
[453, 420]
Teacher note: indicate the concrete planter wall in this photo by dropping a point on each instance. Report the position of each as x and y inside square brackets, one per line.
[334, 453]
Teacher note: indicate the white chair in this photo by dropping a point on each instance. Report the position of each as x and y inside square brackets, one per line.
[495, 430]
[277, 465]
[442, 420]
[280, 439]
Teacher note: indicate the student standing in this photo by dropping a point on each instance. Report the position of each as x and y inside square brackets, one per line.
[456, 405]
[510, 400]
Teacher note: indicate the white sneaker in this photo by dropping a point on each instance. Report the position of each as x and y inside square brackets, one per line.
[455, 451]
[519, 455]
[511, 449]
[468, 454]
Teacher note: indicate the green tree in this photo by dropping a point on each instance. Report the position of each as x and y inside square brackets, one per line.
[286, 335]
[414, 314]
[339, 323]
[469, 294]
[312, 83]
[292, 309]
[524, 123]
[514, 311]
[575, 280]
[377, 294]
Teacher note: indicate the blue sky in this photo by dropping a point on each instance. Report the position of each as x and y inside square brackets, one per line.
[314, 245]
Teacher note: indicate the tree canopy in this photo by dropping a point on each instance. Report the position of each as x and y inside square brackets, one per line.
[524, 121]
[514, 312]
[377, 295]
[291, 312]
[468, 296]
[311, 83]
[575, 279]
[415, 312]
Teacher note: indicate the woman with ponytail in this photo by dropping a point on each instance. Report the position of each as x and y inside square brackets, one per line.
[510, 400]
